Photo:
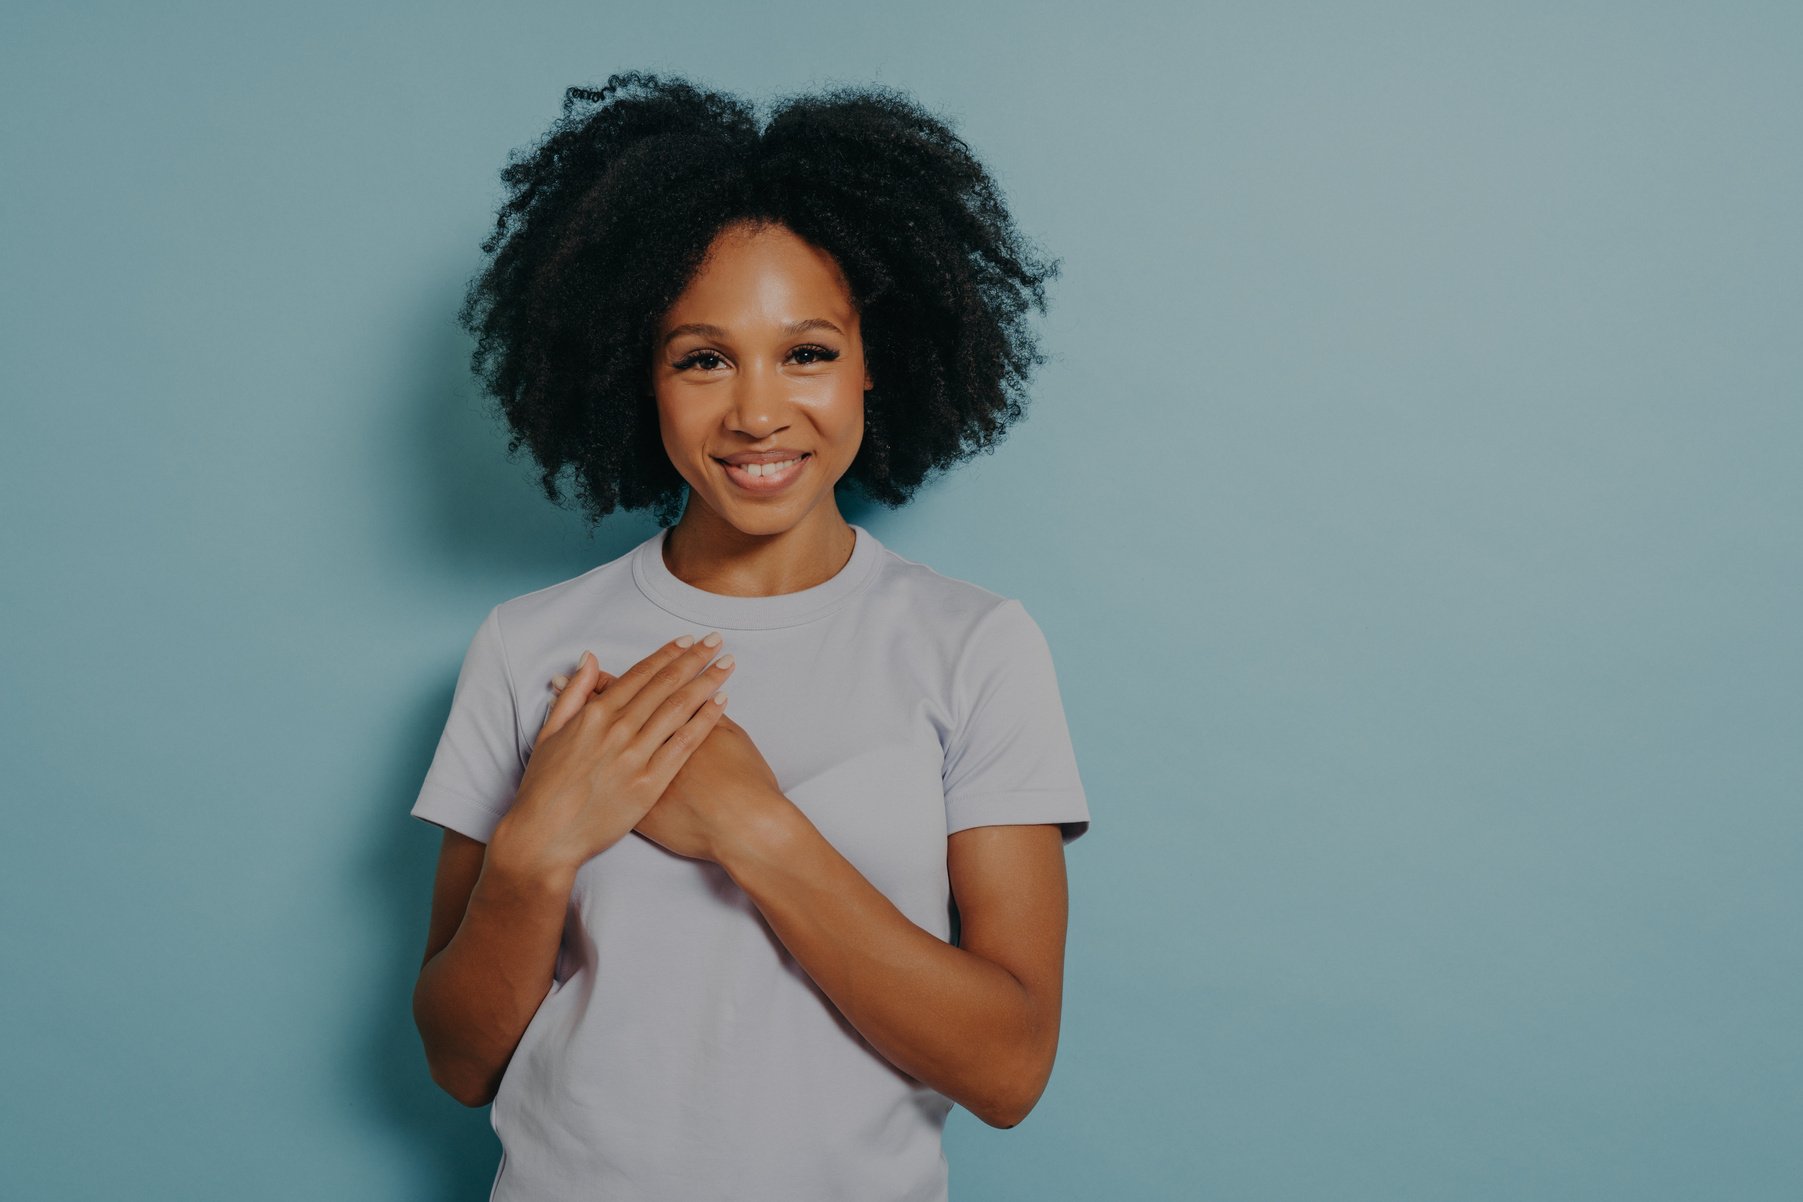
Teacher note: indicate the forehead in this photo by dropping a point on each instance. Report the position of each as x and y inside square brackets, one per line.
[763, 275]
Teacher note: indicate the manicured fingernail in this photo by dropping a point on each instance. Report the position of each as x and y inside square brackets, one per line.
[687, 640]
[584, 661]
[725, 661]
[561, 681]
[712, 640]
[720, 697]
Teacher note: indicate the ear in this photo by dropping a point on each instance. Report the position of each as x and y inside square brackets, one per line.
[867, 384]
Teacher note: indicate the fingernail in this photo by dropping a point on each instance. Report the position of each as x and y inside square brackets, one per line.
[720, 697]
[712, 640]
[687, 640]
[584, 661]
[561, 681]
[725, 661]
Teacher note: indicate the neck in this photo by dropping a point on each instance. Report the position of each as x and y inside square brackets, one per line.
[710, 553]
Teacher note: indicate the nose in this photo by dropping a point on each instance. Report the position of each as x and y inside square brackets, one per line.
[760, 400]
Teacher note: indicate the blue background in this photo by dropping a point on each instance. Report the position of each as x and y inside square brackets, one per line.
[1412, 506]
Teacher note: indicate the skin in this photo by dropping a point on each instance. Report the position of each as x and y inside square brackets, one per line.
[753, 386]
[978, 1021]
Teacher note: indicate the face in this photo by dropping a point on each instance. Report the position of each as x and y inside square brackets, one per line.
[762, 352]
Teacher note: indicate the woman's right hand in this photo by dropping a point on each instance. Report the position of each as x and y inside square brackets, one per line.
[607, 750]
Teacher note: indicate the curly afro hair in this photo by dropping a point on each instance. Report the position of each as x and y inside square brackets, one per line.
[609, 216]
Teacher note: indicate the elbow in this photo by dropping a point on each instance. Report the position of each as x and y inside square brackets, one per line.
[457, 1076]
[1011, 1113]
[1024, 1070]
[472, 1094]
[1002, 1123]
[1016, 1097]
[1005, 1116]
[471, 1084]
[476, 1100]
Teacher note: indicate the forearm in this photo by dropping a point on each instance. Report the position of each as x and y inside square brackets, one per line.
[475, 998]
[947, 1017]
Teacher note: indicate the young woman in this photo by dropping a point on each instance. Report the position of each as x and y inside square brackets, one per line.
[693, 956]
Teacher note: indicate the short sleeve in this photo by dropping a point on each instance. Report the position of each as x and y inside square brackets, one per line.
[479, 761]
[1009, 758]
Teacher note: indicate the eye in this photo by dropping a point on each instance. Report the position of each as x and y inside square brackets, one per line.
[694, 358]
[707, 361]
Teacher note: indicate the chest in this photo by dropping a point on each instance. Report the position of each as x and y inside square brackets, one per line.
[852, 730]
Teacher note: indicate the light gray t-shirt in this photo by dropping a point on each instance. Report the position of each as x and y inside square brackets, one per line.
[681, 1053]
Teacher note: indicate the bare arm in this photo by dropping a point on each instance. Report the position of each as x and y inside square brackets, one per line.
[497, 919]
[602, 758]
[979, 1023]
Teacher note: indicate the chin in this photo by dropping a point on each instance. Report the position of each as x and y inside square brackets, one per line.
[763, 517]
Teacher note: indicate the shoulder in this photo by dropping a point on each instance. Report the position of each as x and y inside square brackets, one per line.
[949, 605]
[545, 614]
[976, 628]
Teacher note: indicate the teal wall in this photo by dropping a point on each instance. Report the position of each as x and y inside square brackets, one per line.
[1412, 505]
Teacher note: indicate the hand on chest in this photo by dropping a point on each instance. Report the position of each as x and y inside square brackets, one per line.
[853, 741]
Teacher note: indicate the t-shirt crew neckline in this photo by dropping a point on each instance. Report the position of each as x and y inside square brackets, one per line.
[719, 611]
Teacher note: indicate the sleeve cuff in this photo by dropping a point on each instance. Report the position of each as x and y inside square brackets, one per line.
[465, 815]
[1068, 808]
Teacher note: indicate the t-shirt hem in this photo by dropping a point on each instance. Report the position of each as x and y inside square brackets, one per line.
[1020, 807]
[459, 812]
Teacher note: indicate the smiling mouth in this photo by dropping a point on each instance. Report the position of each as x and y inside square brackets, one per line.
[767, 478]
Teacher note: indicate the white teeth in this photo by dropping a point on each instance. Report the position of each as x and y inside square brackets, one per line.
[767, 469]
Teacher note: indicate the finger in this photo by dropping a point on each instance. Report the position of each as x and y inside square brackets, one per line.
[561, 682]
[626, 686]
[681, 705]
[569, 700]
[668, 760]
[637, 710]
[555, 718]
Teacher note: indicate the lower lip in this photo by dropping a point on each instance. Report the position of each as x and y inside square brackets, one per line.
[766, 484]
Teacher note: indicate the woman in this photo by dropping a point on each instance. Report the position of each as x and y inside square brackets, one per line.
[691, 957]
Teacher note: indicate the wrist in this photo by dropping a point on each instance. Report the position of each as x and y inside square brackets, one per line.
[766, 830]
[519, 851]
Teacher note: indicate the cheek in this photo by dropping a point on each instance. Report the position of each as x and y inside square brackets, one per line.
[847, 418]
[682, 440]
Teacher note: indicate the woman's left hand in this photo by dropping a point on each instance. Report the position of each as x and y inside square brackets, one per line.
[724, 788]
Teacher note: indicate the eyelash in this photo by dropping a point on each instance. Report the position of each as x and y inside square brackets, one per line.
[821, 353]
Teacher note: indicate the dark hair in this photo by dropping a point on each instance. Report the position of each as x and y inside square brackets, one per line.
[609, 216]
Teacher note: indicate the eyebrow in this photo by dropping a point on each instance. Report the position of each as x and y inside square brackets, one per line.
[710, 331]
